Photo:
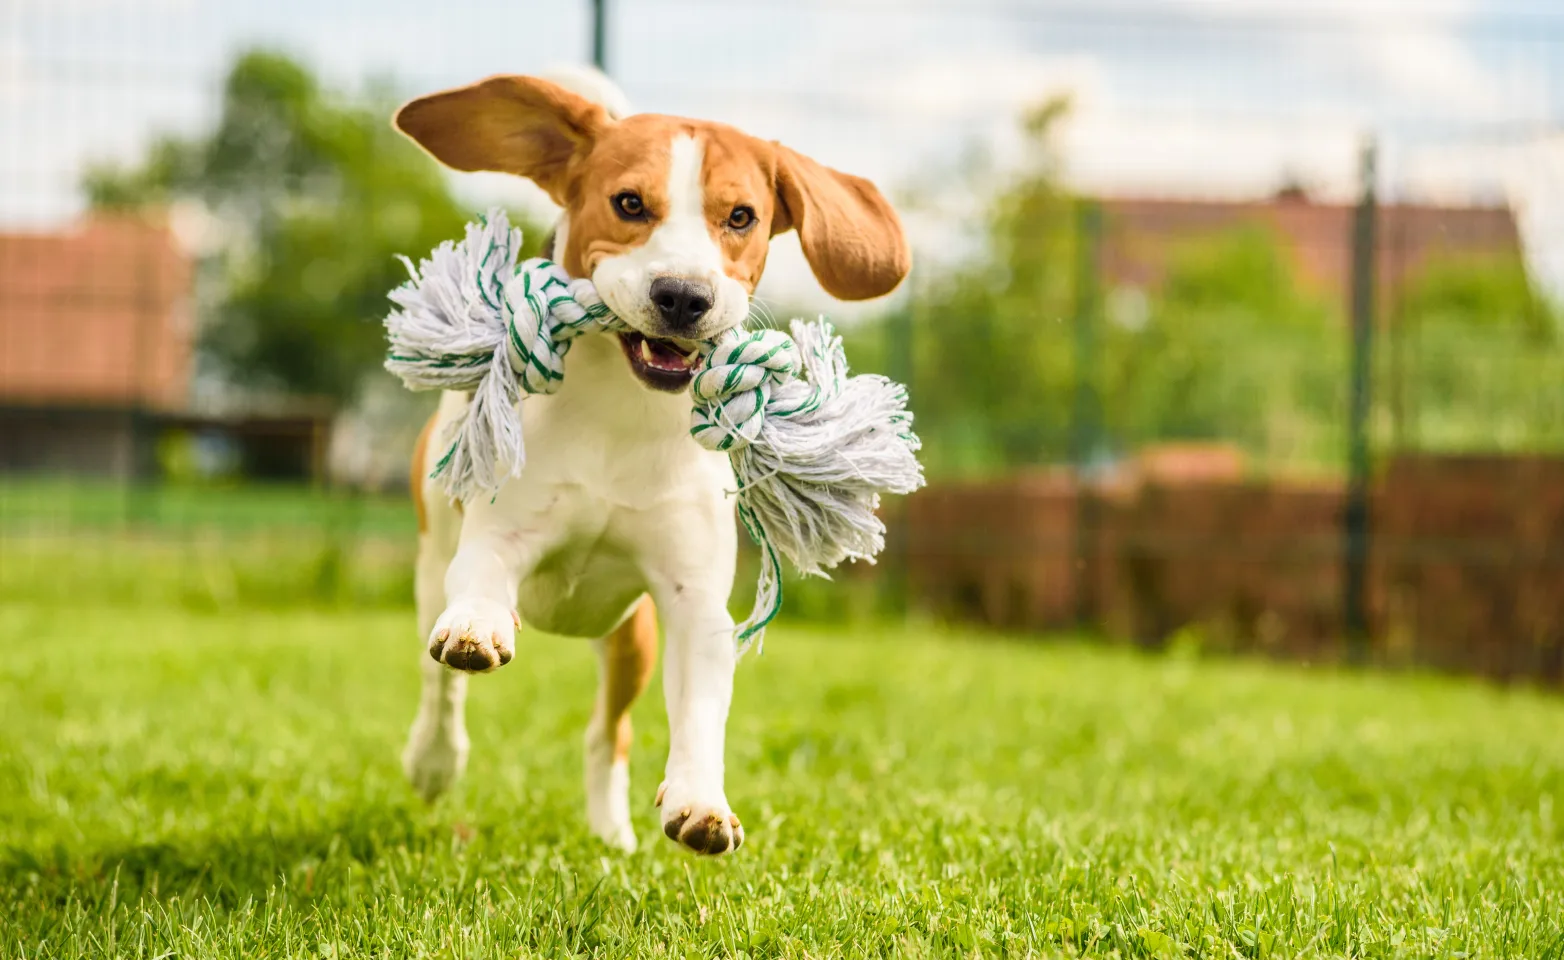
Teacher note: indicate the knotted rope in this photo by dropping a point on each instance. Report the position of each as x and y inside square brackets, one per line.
[812, 448]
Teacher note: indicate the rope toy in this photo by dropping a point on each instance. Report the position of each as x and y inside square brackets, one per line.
[812, 448]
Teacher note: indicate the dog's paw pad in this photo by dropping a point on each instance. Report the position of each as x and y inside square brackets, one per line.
[707, 829]
[474, 635]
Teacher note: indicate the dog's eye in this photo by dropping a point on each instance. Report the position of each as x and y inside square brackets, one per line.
[742, 218]
[629, 206]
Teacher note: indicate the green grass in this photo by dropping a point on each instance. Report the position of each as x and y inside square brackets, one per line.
[208, 571]
[180, 784]
[216, 548]
[206, 547]
[64, 504]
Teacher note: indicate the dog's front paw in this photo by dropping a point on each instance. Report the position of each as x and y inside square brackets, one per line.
[474, 634]
[706, 826]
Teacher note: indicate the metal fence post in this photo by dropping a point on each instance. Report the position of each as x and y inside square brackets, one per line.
[600, 34]
[1355, 518]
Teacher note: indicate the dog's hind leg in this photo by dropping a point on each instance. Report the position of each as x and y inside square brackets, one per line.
[626, 658]
[436, 750]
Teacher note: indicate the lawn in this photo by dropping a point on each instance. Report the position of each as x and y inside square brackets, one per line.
[96, 505]
[182, 784]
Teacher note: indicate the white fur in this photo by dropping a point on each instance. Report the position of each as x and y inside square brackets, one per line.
[607, 777]
[616, 501]
[436, 752]
[591, 83]
[680, 246]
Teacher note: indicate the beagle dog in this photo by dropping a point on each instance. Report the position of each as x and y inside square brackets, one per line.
[619, 519]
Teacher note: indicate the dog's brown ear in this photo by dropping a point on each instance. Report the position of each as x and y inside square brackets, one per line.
[519, 125]
[851, 237]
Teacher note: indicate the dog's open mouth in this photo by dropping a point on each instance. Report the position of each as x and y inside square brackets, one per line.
[661, 364]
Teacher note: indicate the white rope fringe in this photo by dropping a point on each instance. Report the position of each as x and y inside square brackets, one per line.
[812, 447]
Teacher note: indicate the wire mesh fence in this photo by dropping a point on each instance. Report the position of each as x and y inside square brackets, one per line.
[1129, 335]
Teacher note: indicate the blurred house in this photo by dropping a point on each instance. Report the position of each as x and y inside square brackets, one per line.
[1144, 234]
[97, 332]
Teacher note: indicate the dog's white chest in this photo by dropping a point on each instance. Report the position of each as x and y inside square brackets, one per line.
[606, 438]
[612, 480]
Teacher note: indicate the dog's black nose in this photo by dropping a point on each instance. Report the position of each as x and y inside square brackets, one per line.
[680, 302]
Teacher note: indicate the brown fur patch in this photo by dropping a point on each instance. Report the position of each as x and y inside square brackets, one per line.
[629, 656]
[569, 146]
[851, 236]
[633, 155]
[415, 478]
[521, 125]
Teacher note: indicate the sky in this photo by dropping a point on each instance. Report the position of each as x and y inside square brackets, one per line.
[1172, 97]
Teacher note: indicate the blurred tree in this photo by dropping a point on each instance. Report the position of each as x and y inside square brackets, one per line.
[1484, 354]
[1230, 349]
[991, 363]
[312, 195]
[1226, 346]
[1481, 292]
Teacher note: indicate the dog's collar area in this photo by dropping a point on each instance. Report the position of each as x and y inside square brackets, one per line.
[661, 364]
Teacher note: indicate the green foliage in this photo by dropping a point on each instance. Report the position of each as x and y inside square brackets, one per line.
[1475, 357]
[313, 195]
[178, 784]
[1225, 345]
[1489, 293]
[1230, 349]
[205, 547]
[990, 367]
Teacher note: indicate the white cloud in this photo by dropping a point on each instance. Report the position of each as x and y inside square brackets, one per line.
[979, 83]
[1227, 100]
[1528, 174]
[1176, 155]
[89, 6]
[13, 69]
[1431, 68]
[1539, 186]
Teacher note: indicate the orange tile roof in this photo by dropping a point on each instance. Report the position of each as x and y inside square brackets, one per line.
[1143, 233]
[97, 314]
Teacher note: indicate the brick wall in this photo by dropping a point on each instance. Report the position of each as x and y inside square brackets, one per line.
[1467, 562]
[997, 553]
[1470, 554]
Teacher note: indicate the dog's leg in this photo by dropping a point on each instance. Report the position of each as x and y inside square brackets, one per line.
[626, 658]
[477, 631]
[436, 751]
[698, 685]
